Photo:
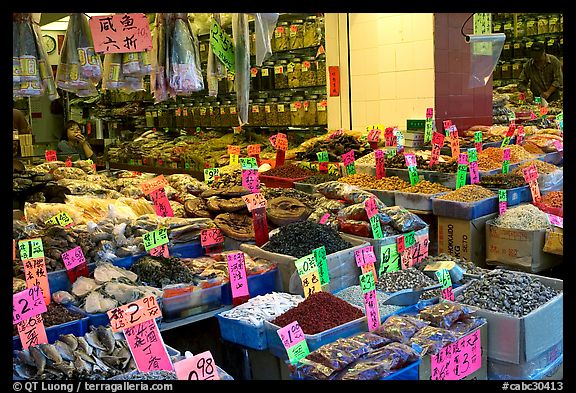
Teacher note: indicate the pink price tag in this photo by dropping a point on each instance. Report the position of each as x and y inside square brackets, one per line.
[50, 155]
[200, 367]
[134, 313]
[250, 180]
[73, 258]
[474, 175]
[211, 236]
[374, 135]
[147, 347]
[448, 294]
[335, 134]
[457, 360]
[380, 168]
[511, 130]
[447, 124]
[502, 206]
[161, 203]
[348, 158]
[400, 247]
[237, 274]
[161, 250]
[507, 154]
[555, 220]
[36, 274]
[254, 201]
[368, 255]
[558, 145]
[27, 304]
[68, 162]
[429, 113]
[372, 311]
[463, 158]
[272, 140]
[410, 159]
[530, 173]
[438, 139]
[120, 33]
[324, 218]
[32, 332]
[253, 150]
[370, 206]
[291, 334]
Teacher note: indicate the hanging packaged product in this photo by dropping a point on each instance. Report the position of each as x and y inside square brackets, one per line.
[240, 35]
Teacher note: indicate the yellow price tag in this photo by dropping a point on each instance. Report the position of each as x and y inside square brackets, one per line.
[311, 283]
[62, 219]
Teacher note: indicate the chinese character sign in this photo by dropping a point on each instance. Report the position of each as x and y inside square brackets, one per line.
[457, 360]
[161, 203]
[121, 33]
[27, 304]
[32, 332]
[372, 311]
[237, 274]
[200, 367]
[147, 347]
[35, 273]
[134, 313]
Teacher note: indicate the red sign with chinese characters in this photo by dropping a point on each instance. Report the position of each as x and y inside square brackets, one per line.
[134, 313]
[334, 78]
[121, 33]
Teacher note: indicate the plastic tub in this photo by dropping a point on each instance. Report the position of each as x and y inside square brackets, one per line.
[409, 373]
[464, 210]
[58, 280]
[416, 201]
[192, 303]
[242, 333]
[280, 182]
[516, 195]
[78, 327]
[258, 284]
[93, 319]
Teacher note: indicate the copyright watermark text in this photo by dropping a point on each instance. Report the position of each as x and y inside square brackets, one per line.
[81, 386]
[536, 385]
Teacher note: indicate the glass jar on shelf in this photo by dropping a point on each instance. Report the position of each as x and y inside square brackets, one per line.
[253, 43]
[311, 32]
[203, 48]
[309, 105]
[518, 49]
[531, 26]
[205, 115]
[296, 34]
[516, 69]
[188, 113]
[233, 110]
[267, 76]
[321, 70]
[271, 112]
[506, 71]
[520, 27]
[561, 23]
[552, 45]
[294, 72]
[281, 74]
[260, 114]
[508, 28]
[297, 111]
[308, 72]
[497, 73]
[507, 51]
[553, 24]
[497, 26]
[196, 113]
[255, 78]
[225, 119]
[215, 116]
[283, 108]
[542, 24]
[280, 39]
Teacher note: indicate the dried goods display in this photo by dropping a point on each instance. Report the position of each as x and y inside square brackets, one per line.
[310, 200]
[468, 193]
[319, 312]
[492, 157]
[541, 167]
[553, 199]
[426, 187]
[284, 210]
[263, 308]
[407, 279]
[525, 217]
[215, 266]
[335, 147]
[320, 178]
[159, 271]
[354, 295]
[289, 171]
[508, 292]
[502, 180]
[56, 314]
[467, 266]
[235, 226]
[391, 183]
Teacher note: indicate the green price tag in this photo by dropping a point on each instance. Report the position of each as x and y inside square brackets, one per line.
[322, 156]
[428, 131]
[537, 100]
[409, 239]
[210, 174]
[30, 248]
[390, 153]
[298, 351]
[155, 238]
[322, 263]
[560, 116]
[413, 172]
[62, 219]
[222, 46]
[505, 166]
[444, 278]
[187, 165]
[461, 175]
[478, 137]
[472, 154]
[198, 129]
[248, 163]
[502, 196]
[306, 265]
[367, 282]
[390, 259]
[505, 141]
[376, 228]
[351, 169]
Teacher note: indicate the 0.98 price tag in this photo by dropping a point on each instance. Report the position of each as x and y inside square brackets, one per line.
[200, 367]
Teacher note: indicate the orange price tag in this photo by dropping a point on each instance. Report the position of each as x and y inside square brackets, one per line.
[254, 201]
[153, 184]
[253, 150]
[211, 236]
[233, 149]
[281, 144]
[36, 274]
[134, 313]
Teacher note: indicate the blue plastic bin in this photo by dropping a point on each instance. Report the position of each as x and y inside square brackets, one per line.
[258, 284]
[78, 327]
[93, 319]
[58, 279]
[465, 210]
[409, 373]
[242, 333]
[187, 250]
[517, 195]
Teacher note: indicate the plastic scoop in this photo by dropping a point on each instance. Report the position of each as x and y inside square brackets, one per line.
[408, 297]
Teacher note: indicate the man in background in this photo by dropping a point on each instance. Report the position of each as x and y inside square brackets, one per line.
[542, 73]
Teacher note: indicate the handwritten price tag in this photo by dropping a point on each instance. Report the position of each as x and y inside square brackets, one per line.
[210, 175]
[409, 239]
[27, 304]
[311, 283]
[370, 206]
[161, 203]
[374, 135]
[520, 135]
[461, 175]
[364, 256]
[73, 258]
[457, 360]
[253, 150]
[463, 158]
[36, 275]
[502, 201]
[348, 158]
[372, 311]
[234, 159]
[30, 248]
[127, 33]
[32, 332]
[254, 201]
[446, 281]
[506, 154]
[134, 313]
[251, 180]
[147, 347]
[237, 274]
[380, 169]
[155, 238]
[248, 163]
[50, 155]
[400, 246]
[530, 173]
[306, 265]
[437, 143]
[447, 124]
[410, 160]
[281, 143]
[153, 184]
[428, 129]
[294, 341]
[322, 156]
[413, 173]
[555, 220]
[160, 251]
[454, 142]
[200, 367]
[324, 218]
[336, 134]
[390, 259]
[62, 219]
[376, 227]
[367, 282]
[211, 236]
[233, 149]
[322, 263]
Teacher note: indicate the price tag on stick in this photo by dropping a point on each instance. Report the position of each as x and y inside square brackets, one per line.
[147, 347]
[210, 175]
[155, 238]
[502, 201]
[30, 248]
[294, 341]
[134, 313]
[446, 281]
[254, 201]
[153, 184]
[372, 311]
[251, 180]
[36, 275]
[390, 259]
[380, 169]
[322, 263]
[32, 332]
[209, 237]
[454, 142]
[27, 304]
[311, 283]
[457, 360]
[237, 274]
[200, 367]
[62, 219]
[161, 203]
[75, 262]
[478, 141]
[437, 143]
[306, 265]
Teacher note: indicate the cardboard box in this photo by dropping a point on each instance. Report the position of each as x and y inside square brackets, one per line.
[518, 249]
[554, 241]
[464, 238]
[25, 139]
[537, 369]
[521, 340]
[425, 368]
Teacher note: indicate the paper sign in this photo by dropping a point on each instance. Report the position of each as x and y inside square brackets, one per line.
[447, 124]
[253, 150]
[153, 184]
[370, 206]
[281, 143]
[237, 274]
[233, 149]
[335, 134]
[409, 239]
[429, 113]
[73, 258]
[334, 79]
[555, 220]
[428, 129]
[506, 155]
[147, 347]
[272, 140]
[419, 250]
[50, 155]
[311, 283]
[251, 180]
[520, 135]
[36, 274]
[351, 169]
[367, 282]
[200, 367]
[211, 236]
[120, 33]
[558, 145]
[437, 143]
[374, 135]
[457, 360]
[390, 259]
[27, 304]
[222, 46]
[160, 251]
[62, 219]
[291, 334]
[530, 173]
[543, 110]
[161, 203]
[380, 169]
[372, 311]
[400, 246]
[410, 160]
[369, 268]
[364, 256]
[334, 169]
[413, 173]
[324, 218]
[134, 313]
[155, 238]
[30, 248]
[444, 279]
[68, 162]
[461, 175]
[32, 332]
[322, 156]
[323, 166]
[306, 265]
[463, 158]
[454, 142]
[322, 263]
[254, 201]
[502, 201]
[535, 190]
[211, 174]
[376, 228]
[348, 158]
[248, 163]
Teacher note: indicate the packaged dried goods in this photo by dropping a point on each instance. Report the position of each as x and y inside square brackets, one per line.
[432, 339]
[400, 328]
[444, 315]
[407, 279]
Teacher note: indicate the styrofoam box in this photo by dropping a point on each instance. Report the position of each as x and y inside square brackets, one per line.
[519, 340]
